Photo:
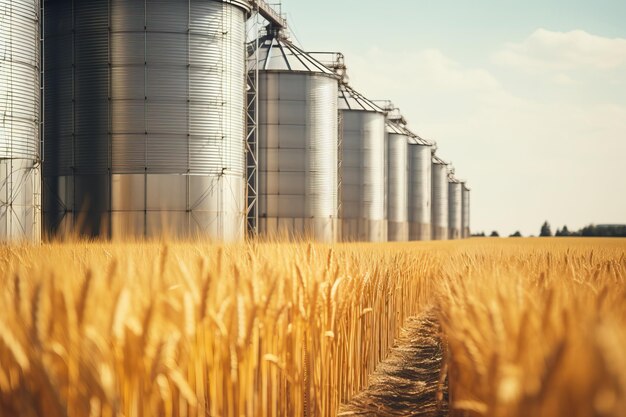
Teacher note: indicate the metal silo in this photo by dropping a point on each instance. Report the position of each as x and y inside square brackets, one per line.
[397, 181]
[297, 142]
[466, 212]
[420, 190]
[362, 171]
[455, 208]
[145, 122]
[439, 199]
[20, 207]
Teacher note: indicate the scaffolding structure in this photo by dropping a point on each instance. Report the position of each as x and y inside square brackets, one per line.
[261, 10]
[252, 111]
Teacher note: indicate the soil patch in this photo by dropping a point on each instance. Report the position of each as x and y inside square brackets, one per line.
[409, 382]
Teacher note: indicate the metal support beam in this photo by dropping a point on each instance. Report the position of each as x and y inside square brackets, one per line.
[334, 61]
[269, 14]
[252, 136]
[260, 9]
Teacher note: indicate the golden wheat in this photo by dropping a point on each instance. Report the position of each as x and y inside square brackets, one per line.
[532, 327]
[147, 329]
[536, 328]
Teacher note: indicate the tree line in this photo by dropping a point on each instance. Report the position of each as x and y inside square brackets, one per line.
[603, 230]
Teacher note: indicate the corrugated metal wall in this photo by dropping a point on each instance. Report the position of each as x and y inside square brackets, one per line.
[455, 209]
[439, 201]
[298, 155]
[145, 121]
[466, 212]
[420, 191]
[398, 192]
[20, 203]
[363, 176]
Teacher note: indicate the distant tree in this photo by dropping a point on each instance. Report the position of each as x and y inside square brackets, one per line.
[563, 232]
[494, 234]
[609, 230]
[481, 234]
[589, 231]
[545, 230]
[516, 234]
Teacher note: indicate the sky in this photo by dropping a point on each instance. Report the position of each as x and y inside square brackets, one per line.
[527, 99]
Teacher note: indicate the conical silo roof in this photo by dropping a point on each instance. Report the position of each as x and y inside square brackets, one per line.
[397, 128]
[277, 53]
[417, 140]
[350, 99]
[439, 161]
[397, 124]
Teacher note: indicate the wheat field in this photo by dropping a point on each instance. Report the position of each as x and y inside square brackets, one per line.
[536, 328]
[531, 327]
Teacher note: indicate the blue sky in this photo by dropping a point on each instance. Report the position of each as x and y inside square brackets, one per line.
[449, 25]
[526, 98]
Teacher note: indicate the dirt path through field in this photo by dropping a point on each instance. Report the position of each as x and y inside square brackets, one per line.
[408, 382]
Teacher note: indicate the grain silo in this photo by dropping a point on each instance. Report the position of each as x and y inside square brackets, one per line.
[362, 172]
[420, 190]
[20, 207]
[466, 211]
[439, 199]
[398, 138]
[297, 142]
[145, 123]
[455, 208]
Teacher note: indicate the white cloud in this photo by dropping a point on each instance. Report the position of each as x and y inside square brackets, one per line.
[429, 66]
[564, 51]
[434, 67]
[418, 76]
[564, 79]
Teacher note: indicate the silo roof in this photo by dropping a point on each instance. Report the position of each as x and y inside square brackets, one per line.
[277, 53]
[417, 140]
[244, 4]
[397, 128]
[350, 99]
[397, 124]
[439, 161]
